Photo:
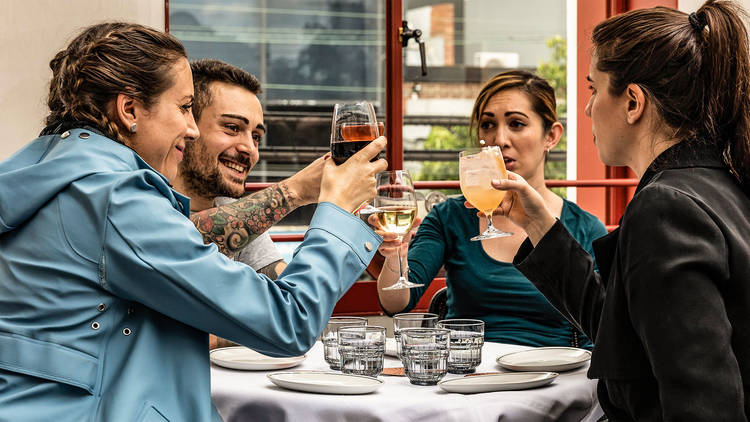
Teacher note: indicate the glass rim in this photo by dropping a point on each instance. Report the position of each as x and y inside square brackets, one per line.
[402, 171]
[415, 315]
[467, 152]
[340, 319]
[461, 322]
[424, 332]
[361, 327]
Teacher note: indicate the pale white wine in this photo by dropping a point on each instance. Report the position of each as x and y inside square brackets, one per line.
[396, 218]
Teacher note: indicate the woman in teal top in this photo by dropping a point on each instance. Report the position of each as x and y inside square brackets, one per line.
[515, 110]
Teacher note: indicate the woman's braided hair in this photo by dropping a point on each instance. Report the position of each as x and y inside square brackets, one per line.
[103, 61]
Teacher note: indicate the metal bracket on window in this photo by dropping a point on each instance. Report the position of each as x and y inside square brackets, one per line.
[404, 34]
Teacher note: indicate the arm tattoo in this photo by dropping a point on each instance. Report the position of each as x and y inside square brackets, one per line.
[231, 227]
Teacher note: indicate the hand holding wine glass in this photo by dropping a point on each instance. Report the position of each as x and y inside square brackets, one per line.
[350, 184]
[477, 168]
[397, 208]
[354, 126]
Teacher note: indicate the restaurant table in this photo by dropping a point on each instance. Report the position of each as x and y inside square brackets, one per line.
[250, 396]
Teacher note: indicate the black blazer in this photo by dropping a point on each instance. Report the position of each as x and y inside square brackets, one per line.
[669, 310]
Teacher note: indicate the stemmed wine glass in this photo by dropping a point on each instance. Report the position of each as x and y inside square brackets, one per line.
[354, 125]
[477, 168]
[396, 205]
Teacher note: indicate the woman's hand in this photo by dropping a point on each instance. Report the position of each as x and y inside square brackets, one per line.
[524, 206]
[391, 244]
[350, 184]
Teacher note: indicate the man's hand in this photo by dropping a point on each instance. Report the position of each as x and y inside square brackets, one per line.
[350, 184]
[304, 187]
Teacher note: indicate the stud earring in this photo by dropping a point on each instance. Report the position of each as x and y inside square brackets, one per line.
[133, 127]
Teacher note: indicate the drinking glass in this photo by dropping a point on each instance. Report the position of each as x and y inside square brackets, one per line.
[477, 168]
[396, 206]
[425, 354]
[410, 320]
[361, 349]
[467, 339]
[330, 338]
[354, 125]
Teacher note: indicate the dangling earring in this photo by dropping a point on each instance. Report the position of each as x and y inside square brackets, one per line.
[133, 127]
[546, 154]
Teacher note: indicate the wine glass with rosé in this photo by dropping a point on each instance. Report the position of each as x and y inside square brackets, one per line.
[477, 168]
[353, 127]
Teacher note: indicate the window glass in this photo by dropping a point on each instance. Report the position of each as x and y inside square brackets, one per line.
[467, 42]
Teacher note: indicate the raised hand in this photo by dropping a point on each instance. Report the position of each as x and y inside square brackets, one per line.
[353, 182]
[391, 244]
[304, 186]
[524, 206]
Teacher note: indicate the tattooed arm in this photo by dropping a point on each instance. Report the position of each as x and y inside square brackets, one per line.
[231, 227]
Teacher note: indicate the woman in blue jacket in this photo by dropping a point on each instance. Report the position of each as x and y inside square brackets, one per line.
[107, 290]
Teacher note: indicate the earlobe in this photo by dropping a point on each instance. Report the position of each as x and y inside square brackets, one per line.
[125, 110]
[636, 103]
[553, 136]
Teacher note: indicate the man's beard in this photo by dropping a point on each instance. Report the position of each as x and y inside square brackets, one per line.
[202, 178]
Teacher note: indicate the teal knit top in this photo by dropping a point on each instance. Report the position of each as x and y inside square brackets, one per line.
[480, 287]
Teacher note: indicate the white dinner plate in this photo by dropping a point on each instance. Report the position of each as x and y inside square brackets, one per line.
[497, 382]
[390, 346]
[545, 359]
[241, 357]
[326, 382]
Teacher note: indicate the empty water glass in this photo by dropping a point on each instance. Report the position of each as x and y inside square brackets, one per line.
[330, 338]
[425, 354]
[411, 320]
[361, 349]
[467, 339]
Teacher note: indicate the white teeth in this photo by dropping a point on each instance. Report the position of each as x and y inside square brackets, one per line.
[235, 167]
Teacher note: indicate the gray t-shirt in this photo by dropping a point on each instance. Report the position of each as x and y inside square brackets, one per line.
[258, 253]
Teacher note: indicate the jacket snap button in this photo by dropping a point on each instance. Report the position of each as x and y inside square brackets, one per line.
[101, 307]
[368, 246]
[95, 325]
[126, 331]
[65, 134]
[84, 135]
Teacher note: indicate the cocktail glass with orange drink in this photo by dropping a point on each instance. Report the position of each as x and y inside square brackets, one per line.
[477, 168]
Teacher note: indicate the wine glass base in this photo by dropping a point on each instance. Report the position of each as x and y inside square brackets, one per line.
[491, 235]
[403, 285]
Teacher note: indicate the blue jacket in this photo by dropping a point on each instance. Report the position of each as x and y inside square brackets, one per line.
[107, 290]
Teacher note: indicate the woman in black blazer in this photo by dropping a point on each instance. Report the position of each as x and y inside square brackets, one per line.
[669, 309]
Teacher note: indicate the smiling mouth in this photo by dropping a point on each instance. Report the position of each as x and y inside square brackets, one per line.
[238, 168]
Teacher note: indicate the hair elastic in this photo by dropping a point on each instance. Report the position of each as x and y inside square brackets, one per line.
[695, 22]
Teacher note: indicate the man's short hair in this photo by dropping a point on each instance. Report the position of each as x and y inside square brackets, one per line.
[206, 71]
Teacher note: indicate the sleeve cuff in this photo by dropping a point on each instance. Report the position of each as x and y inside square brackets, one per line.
[348, 228]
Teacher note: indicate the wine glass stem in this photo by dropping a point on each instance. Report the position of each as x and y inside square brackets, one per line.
[490, 226]
[400, 265]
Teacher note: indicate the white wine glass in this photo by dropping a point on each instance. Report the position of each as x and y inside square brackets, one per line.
[396, 205]
[477, 168]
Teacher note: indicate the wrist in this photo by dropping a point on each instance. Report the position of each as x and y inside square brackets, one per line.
[291, 194]
[539, 228]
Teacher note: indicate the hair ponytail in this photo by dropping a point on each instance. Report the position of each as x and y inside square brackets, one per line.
[694, 68]
[726, 77]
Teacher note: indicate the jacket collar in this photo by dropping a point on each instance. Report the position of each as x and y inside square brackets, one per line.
[685, 154]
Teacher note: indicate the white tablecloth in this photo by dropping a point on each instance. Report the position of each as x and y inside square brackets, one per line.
[250, 396]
